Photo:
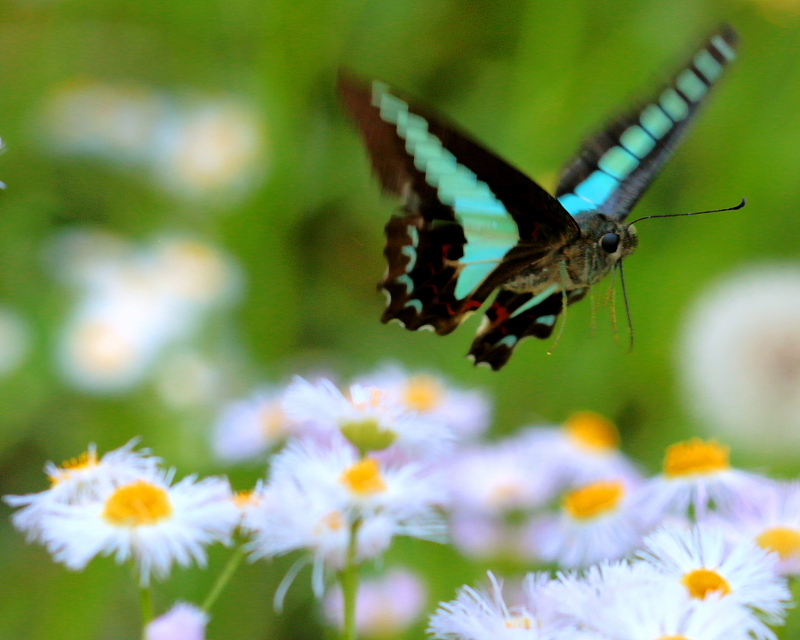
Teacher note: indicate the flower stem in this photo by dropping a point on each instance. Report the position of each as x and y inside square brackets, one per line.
[349, 579]
[146, 598]
[222, 580]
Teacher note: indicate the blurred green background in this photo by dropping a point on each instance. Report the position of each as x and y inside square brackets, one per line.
[529, 78]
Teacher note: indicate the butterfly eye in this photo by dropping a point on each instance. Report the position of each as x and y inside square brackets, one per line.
[610, 242]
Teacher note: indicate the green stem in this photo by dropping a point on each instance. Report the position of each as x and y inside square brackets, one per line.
[146, 598]
[230, 568]
[349, 579]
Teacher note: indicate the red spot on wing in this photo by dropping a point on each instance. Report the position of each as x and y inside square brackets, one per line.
[500, 312]
[470, 304]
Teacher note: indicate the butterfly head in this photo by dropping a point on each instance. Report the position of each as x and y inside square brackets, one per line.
[606, 241]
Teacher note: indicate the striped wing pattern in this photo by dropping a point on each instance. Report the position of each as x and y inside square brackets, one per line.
[471, 220]
[614, 168]
[514, 316]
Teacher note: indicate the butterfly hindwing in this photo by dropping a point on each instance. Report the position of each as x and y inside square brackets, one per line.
[615, 167]
[513, 316]
[470, 218]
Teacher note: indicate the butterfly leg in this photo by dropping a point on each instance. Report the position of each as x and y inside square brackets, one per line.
[562, 269]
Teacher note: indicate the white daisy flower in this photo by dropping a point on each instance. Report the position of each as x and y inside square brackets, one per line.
[248, 428]
[771, 520]
[668, 612]
[367, 416]
[740, 358]
[81, 479]
[467, 413]
[696, 477]
[148, 520]
[482, 536]
[700, 559]
[364, 485]
[581, 596]
[385, 607]
[484, 615]
[319, 495]
[584, 449]
[498, 478]
[183, 622]
[597, 521]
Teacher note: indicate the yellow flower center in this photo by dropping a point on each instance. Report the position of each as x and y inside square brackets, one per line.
[334, 521]
[592, 431]
[374, 400]
[364, 478]
[423, 393]
[519, 622]
[701, 582]
[271, 419]
[140, 503]
[104, 348]
[86, 460]
[673, 638]
[594, 500]
[695, 457]
[244, 499]
[785, 541]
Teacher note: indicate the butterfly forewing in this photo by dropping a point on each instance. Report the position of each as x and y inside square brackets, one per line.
[615, 167]
[471, 219]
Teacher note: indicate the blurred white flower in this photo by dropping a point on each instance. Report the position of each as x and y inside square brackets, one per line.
[740, 358]
[114, 121]
[189, 379]
[597, 521]
[134, 303]
[703, 562]
[15, 340]
[697, 477]
[146, 518]
[386, 606]
[467, 413]
[183, 622]
[498, 478]
[248, 428]
[214, 145]
[368, 417]
[583, 449]
[771, 519]
[191, 147]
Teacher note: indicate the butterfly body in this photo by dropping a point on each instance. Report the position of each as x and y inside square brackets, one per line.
[472, 224]
[582, 262]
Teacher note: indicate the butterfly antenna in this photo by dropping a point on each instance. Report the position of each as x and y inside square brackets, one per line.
[627, 305]
[612, 301]
[593, 307]
[741, 205]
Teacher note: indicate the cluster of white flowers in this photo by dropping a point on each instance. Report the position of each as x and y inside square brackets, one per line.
[700, 551]
[424, 413]
[191, 147]
[134, 302]
[686, 582]
[568, 494]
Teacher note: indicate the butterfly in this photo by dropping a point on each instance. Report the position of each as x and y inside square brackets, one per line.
[472, 224]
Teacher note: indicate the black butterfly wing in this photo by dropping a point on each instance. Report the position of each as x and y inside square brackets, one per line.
[615, 167]
[514, 316]
[471, 220]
